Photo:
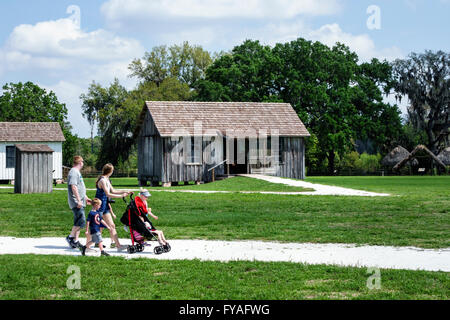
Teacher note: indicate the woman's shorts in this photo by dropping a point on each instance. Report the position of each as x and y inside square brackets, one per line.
[79, 218]
[101, 216]
[106, 212]
[97, 237]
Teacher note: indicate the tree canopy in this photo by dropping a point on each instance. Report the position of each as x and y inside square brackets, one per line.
[425, 80]
[184, 62]
[164, 73]
[27, 102]
[117, 111]
[338, 99]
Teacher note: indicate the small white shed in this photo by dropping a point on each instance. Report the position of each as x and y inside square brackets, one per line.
[43, 133]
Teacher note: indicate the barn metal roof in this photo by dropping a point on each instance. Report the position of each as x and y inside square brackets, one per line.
[227, 118]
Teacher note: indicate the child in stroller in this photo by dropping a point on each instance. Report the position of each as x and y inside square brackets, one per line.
[140, 227]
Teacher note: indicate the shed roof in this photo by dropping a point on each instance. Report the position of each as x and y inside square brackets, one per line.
[226, 118]
[396, 155]
[444, 156]
[31, 132]
[418, 148]
[34, 148]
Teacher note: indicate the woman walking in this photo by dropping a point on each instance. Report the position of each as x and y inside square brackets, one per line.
[105, 191]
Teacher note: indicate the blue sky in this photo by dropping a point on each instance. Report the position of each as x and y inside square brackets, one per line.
[65, 45]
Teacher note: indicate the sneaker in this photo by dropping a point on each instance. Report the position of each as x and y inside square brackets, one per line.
[121, 248]
[104, 253]
[78, 245]
[70, 242]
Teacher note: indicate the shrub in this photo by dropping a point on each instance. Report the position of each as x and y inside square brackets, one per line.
[355, 163]
[368, 163]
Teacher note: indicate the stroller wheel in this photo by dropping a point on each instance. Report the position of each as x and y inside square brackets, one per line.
[139, 247]
[131, 249]
[167, 247]
[158, 250]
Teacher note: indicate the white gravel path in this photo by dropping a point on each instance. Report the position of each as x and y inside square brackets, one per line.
[320, 189]
[333, 254]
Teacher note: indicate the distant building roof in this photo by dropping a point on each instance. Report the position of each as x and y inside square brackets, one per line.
[31, 132]
[444, 156]
[226, 117]
[395, 156]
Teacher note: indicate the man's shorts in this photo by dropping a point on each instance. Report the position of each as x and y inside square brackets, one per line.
[79, 218]
[97, 237]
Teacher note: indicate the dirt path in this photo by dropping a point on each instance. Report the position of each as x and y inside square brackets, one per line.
[334, 254]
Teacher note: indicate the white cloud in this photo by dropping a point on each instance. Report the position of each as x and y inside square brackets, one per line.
[61, 43]
[362, 44]
[120, 11]
[280, 32]
[273, 33]
[224, 24]
[60, 56]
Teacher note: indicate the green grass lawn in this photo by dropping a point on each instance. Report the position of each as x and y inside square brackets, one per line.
[417, 215]
[45, 278]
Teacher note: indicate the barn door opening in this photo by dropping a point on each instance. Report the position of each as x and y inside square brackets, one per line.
[236, 150]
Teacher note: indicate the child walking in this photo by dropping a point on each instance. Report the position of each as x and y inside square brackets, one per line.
[94, 223]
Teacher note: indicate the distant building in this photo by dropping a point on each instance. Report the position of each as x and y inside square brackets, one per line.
[43, 133]
[184, 141]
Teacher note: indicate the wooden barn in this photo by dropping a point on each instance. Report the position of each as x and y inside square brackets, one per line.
[197, 141]
[44, 133]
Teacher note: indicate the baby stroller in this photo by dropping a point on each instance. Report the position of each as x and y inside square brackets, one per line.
[139, 231]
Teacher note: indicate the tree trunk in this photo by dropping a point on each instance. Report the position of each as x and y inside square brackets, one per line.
[331, 157]
[92, 138]
[432, 143]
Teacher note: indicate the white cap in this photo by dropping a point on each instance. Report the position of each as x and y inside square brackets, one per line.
[146, 193]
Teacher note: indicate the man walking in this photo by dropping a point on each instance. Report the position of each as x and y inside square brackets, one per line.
[76, 192]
